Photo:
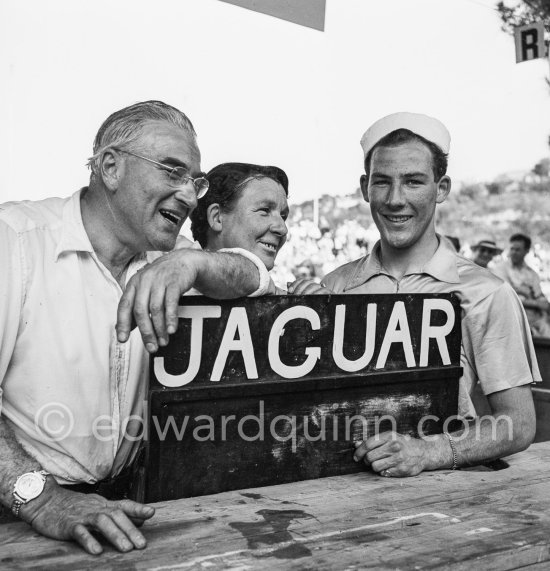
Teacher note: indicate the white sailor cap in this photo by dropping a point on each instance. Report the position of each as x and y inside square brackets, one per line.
[427, 127]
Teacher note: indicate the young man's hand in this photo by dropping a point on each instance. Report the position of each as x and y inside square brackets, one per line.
[392, 454]
[307, 286]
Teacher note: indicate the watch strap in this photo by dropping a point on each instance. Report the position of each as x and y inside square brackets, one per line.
[16, 506]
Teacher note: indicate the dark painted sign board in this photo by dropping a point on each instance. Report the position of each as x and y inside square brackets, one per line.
[255, 392]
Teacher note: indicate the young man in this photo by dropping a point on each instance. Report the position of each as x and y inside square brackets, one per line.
[68, 388]
[526, 284]
[405, 178]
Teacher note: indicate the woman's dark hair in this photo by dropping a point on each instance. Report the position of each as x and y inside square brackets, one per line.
[400, 136]
[226, 184]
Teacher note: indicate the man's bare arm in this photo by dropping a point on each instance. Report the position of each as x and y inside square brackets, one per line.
[61, 514]
[539, 303]
[151, 297]
[15, 461]
[510, 429]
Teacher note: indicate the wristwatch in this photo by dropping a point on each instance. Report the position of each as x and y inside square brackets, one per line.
[27, 487]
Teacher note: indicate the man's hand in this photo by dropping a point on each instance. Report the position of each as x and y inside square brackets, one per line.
[392, 454]
[152, 295]
[151, 298]
[304, 286]
[70, 515]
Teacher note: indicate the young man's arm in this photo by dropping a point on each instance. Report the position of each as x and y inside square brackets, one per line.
[510, 429]
[500, 353]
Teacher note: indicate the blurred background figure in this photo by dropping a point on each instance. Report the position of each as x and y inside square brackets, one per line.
[484, 250]
[526, 283]
[305, 270]
[454, 241]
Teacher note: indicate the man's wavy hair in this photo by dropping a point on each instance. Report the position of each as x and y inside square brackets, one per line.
[227, 182]
[123, 128]
[401, 136]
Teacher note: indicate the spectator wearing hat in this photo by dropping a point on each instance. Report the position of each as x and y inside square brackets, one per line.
[405, 161]
[305, 269]
[484, 251]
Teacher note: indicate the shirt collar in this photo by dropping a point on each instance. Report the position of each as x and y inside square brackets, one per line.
[367, 268]
[73, 233]
[441, 266]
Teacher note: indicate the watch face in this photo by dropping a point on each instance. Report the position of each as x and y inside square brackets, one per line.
[29, 485]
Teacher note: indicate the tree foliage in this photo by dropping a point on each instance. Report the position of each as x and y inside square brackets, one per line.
[498, 208]
[501, 207]
[522, 12]
[514, 13]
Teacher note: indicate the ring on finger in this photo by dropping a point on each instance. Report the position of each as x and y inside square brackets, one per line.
[386, 473]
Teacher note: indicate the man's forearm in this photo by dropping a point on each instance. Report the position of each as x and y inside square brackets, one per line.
[152, 295]
[541, 303]
[484, 439]
[226, 275]
[509, 429]
[14, 462]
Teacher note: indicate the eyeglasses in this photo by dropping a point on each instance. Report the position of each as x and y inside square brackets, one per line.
[178, 175]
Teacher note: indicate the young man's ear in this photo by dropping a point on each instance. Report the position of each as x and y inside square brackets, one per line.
[364, 184]
[214, 217]
[443, 189]
[111, 169]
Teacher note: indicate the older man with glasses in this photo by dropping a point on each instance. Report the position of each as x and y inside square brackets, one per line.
[68, 387]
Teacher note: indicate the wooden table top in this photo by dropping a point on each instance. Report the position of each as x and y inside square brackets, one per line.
[468, 519]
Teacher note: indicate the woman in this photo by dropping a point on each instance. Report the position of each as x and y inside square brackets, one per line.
[245, 207]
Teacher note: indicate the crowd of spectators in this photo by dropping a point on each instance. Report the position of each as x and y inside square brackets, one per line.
[322, 249]
[313, 251]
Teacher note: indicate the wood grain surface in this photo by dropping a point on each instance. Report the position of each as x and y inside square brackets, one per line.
[468, 519]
